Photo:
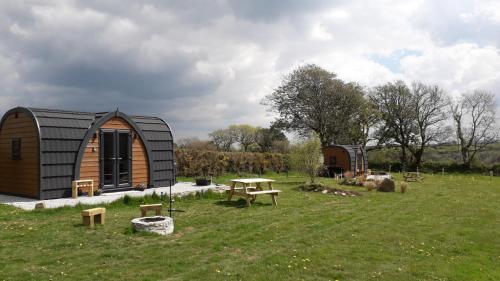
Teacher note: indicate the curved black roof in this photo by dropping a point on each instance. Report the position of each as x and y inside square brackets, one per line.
[62, 136]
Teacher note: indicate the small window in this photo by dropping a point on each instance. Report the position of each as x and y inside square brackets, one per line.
[333, 160]
[16, 149]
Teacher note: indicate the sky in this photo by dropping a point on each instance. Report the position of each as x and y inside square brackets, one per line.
[202, 65]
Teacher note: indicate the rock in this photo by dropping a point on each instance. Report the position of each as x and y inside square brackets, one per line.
[370, 185]
[403, 185]
[324, 191]
[40, 205]
[387, 185]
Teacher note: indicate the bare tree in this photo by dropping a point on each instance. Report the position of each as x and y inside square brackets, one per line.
[429, 105]
[474, 120]
[194, 143]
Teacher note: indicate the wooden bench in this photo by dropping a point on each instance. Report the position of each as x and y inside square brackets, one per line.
[411, 176]
[273, 194]
[150, 207]
[92, 216]
[84, 186]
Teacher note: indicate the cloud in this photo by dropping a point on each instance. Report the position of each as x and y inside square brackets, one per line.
[203, 65]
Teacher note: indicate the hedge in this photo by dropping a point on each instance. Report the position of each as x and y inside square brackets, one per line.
[197, 163]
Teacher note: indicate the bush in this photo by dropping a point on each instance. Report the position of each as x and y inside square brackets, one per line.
[193, 163]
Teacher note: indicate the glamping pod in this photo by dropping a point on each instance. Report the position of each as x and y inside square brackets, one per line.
[342, 158]
[42, 151]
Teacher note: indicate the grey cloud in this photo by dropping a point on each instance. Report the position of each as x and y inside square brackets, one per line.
[446, 22]
[199, 64]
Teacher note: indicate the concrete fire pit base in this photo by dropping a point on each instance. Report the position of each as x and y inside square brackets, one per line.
[157, 224]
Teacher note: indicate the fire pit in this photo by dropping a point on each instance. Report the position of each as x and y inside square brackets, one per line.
[157, 224]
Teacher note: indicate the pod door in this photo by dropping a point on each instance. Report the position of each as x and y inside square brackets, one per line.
[115, 159]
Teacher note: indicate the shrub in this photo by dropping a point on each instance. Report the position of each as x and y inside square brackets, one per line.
[193, 163]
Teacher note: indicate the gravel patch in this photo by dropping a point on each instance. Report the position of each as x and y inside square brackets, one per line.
[180, 189]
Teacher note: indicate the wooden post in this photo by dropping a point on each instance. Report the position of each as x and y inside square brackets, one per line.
[273, 196]
[442, 172]
[491, 175]
[230, 195]
[74, 190]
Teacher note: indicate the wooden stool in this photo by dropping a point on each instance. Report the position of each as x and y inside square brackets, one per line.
[84, 185]
[95, 215]
[146, 208]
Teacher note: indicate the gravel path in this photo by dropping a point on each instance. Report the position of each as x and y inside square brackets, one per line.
[181, 188]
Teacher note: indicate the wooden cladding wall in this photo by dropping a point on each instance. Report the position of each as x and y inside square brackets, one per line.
[90, 162]
[341, 155]
[19, 176]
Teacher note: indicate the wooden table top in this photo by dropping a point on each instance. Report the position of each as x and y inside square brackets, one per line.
[258, 180]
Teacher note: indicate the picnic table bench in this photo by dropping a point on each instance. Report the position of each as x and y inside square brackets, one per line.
[250, 192]
[413, 176]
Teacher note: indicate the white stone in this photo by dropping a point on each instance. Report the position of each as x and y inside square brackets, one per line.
[179, 189]
[157, 224]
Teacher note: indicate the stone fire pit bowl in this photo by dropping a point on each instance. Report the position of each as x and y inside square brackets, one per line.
[157, 224]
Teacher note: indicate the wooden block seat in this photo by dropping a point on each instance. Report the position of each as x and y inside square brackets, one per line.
[92, 216]
[150, 207]
[84, 186]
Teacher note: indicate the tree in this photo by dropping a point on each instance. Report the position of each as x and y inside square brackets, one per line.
[194, 143]
[270, 139]
[311, 99]
[245, 135]
[411, 117]
[367, 120]
[474, 121]
[429, 103]
[306, 157]
[223, 139]
[394, 102]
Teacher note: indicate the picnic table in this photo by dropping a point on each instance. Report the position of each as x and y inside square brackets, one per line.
[413, 176]
[250, 192]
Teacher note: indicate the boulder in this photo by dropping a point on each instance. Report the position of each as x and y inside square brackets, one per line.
[387, 185]
[40, 205]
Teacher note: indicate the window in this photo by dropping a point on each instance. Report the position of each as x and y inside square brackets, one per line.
[333, 160]
[16, 149]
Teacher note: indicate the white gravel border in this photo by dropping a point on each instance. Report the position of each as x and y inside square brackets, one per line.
[181, 189]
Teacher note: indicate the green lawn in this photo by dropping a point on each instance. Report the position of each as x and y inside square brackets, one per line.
[447, 228]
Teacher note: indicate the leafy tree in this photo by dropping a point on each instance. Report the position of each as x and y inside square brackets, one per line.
[313, 99]
[306, 157]
[245, 135]
[474, 120]
[411, 117]
[367, 119]
[270, 139]
[395, 104]
[223, 139]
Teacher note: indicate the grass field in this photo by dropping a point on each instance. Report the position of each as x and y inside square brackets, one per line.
[446, 228]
